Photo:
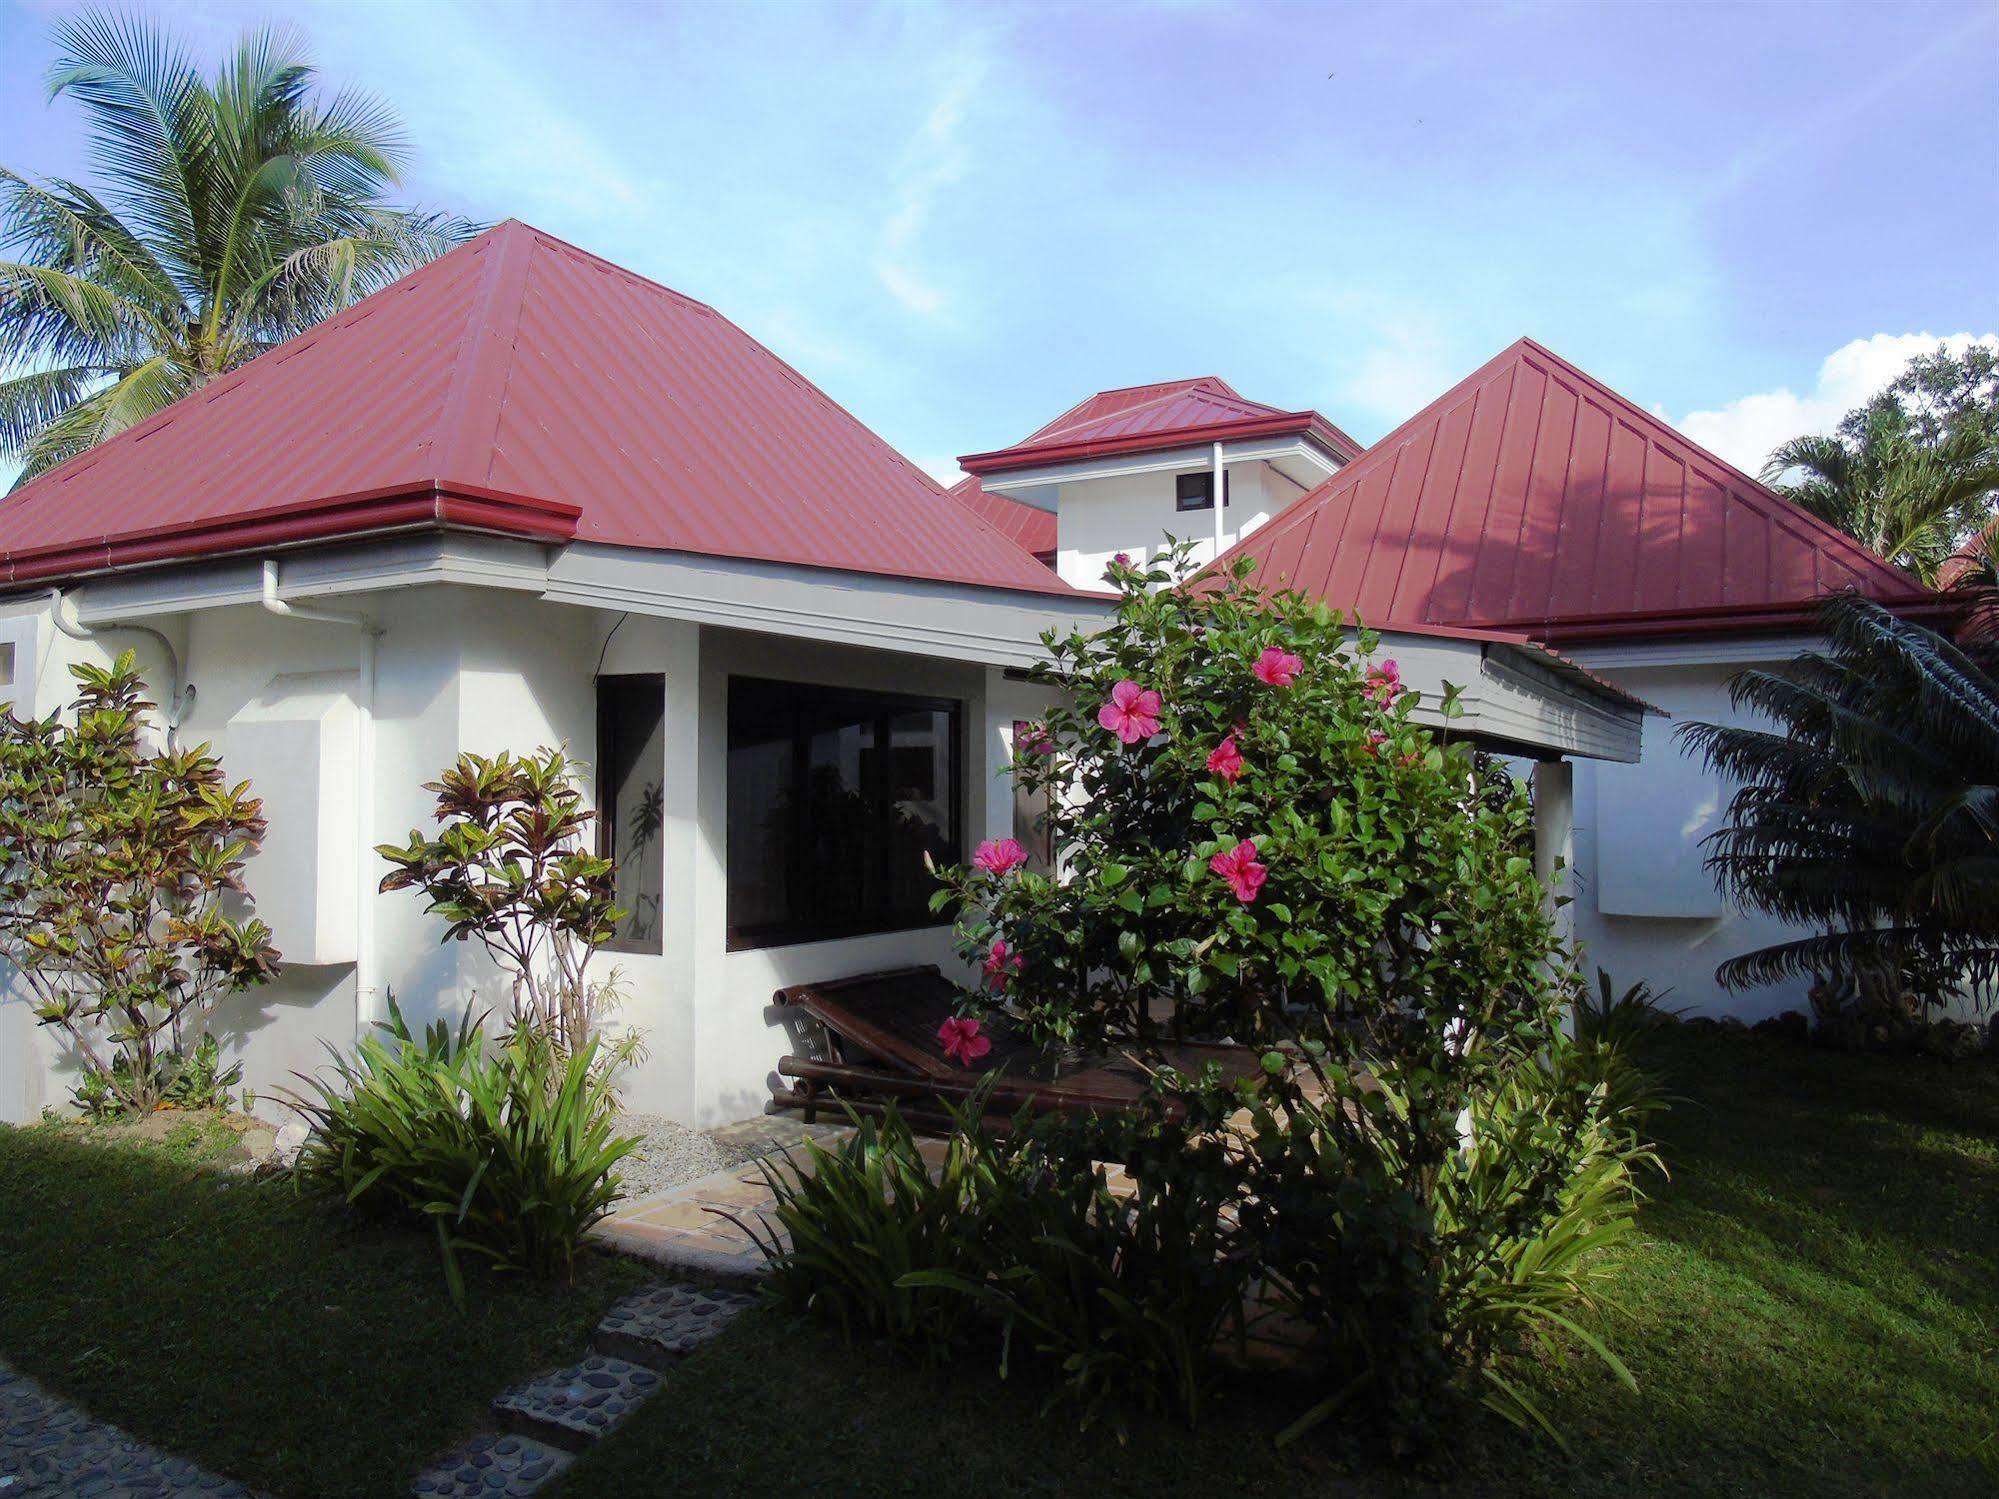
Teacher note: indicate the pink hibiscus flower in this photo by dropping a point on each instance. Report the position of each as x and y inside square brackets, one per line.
[961, 1041]
[1384, 683]
[1225, 760]
[1001, 963]
[1036, 740]
[1277, 668]
[999, 857]
[1240, 868]
[1132, 713]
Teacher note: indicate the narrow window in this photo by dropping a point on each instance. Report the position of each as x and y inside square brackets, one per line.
[1197, 491]
[6, 663]
[835, 800]
[631, 770]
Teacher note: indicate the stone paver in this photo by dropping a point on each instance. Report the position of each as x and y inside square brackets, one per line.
[494, 1467]
[49, 1447]
[575, 1406]
[667, 1321]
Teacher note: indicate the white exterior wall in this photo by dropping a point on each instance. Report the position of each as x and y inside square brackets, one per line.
[485, 670]
[1135, 513]
[1645, 908]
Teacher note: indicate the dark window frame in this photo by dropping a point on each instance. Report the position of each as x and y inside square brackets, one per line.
[1196, 491]
[609, 691]
[886, 705]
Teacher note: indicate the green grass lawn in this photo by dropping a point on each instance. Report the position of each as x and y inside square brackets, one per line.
[263, 1336]
[1815, 1312]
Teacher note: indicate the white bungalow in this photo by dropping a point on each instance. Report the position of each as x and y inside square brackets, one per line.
[525, 496]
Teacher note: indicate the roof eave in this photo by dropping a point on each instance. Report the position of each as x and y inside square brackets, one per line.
[1282, 424]
[426, 506]
[1757, 619]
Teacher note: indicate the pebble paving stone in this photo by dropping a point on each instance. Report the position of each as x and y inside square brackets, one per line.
[575, 1406]
[497, 1467]
[667, 1320]
[48, 1447]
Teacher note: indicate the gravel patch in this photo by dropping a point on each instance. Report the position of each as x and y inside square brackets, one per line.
[668, 1154]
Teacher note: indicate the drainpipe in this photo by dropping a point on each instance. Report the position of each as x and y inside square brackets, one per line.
[179, 699]
[364, 775]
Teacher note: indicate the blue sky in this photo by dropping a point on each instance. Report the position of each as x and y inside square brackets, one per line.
[959, 219]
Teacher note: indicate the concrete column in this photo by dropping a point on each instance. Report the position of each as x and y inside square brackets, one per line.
[1555, 838]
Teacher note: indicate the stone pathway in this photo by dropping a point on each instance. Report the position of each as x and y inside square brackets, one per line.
[698, 1229]
[547, 1420]
[49, 1447]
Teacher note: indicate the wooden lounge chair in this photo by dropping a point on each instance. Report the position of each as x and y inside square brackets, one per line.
[881, 1035]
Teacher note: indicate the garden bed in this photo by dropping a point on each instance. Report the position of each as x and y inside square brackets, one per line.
[1811, 1314]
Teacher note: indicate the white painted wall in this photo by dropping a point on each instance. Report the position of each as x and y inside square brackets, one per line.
[483, 670]
[1645, 908]
[1095, 519]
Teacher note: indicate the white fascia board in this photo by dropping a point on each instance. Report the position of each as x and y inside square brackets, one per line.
[954, 621]
[364, 567]
[1695, 650]
[1030, 485]
[1508, 697]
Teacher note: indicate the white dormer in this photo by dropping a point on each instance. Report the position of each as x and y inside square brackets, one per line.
[1127, 469]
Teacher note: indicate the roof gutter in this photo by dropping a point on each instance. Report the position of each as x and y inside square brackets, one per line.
[427, 506]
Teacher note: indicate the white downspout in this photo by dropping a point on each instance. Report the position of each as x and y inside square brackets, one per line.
[1221, 496]
[179, 698]
[365, 1006]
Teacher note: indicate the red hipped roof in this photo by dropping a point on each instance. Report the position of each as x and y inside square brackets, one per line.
[1147, 418]
[517, 385]
[1532, 497]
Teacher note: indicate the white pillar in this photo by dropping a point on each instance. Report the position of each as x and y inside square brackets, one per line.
[1555, 838]
[1220, 497]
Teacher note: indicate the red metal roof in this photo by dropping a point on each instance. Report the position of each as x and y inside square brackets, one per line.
[1146, 418]
[1025, 525]
[522, 386]
[1532, 497]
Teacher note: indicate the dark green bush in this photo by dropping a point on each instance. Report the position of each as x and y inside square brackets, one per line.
[505, 1148]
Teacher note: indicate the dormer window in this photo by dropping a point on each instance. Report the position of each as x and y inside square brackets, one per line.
[1197, 491]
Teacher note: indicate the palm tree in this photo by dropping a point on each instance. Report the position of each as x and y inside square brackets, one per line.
[1909, 501]
[233, 213]
[1870, 808]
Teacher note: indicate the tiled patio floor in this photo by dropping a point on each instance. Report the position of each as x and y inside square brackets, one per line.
[685, 1227]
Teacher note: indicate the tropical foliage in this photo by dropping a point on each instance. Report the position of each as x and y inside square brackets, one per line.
[1260, 843]
[122, 905]
[1911, 475]
[512, 865]
[231, 212]
[1868, 807]
[505, 1150]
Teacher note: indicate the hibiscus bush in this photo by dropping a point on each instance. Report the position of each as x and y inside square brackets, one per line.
[1257, 841]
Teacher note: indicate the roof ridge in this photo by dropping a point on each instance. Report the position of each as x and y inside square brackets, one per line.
[1172, 391]
[471, 410]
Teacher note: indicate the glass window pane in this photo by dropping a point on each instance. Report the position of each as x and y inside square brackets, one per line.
[762, 807]
[632, 754]
[834, 799]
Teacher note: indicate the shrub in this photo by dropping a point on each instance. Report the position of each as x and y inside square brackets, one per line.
[506, 1150]
[1261, 844]
[121, 886]
[1123, 1293]
[511, 865]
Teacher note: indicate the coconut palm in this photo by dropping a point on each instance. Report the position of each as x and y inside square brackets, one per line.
[1870, 808]
[1910, 501]
[230, 213]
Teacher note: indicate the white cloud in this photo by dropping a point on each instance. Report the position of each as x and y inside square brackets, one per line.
[1745, 430]
[934, 160]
